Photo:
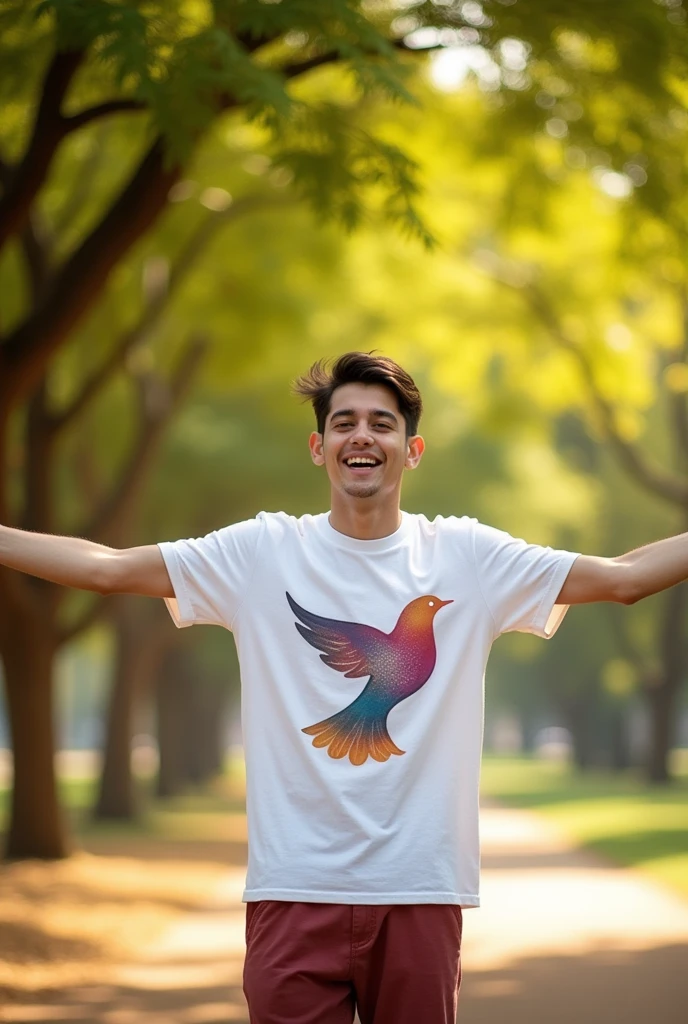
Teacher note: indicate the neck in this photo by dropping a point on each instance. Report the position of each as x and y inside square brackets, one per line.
[364, 518]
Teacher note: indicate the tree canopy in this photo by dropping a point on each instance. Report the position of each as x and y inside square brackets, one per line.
[154, 162]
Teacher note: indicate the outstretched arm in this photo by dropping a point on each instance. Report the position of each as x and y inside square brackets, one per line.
[87, 566]
[630, 577]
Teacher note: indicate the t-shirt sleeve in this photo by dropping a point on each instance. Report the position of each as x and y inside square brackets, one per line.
[210, 575]
[520, 582]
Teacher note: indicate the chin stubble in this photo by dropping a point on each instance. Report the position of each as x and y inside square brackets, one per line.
[366, 491]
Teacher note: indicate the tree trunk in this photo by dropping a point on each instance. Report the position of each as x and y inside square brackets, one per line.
[661, 733]
[191, 717]
[78, 284]
[662, 695]
[578, 715]
[172, 713]
[619, 745]
[116, 792]
[138, 649]
[36, 828]
[206, 734]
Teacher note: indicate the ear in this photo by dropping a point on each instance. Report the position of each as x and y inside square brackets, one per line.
[416, 447]
[315, 443]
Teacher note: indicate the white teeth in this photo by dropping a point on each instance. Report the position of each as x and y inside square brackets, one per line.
[358, 461]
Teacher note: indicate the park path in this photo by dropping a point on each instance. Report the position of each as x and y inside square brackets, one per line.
[564, 936]
[561, 936]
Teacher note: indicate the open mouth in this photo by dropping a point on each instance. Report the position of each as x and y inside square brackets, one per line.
[361, 463]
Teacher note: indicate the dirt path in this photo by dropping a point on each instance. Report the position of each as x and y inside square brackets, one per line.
[561, 937]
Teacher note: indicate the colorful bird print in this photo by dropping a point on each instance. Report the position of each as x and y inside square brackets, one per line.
[398, 664]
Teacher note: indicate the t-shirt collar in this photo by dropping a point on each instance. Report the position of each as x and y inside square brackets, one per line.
[342, 540]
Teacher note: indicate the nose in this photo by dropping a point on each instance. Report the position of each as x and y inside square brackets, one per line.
[361, 434]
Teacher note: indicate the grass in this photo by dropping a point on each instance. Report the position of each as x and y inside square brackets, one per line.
[213, 812]
[618, 816]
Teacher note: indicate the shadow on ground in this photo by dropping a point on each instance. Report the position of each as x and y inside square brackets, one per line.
[607, 985]
[636, 987]
[185, 1002]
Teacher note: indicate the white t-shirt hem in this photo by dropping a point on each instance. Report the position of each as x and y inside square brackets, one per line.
[361, 898]
[179, 606]
[550, 615]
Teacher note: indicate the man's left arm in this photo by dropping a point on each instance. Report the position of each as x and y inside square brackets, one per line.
[630, 577]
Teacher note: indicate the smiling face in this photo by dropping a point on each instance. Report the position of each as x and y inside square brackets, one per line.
[364, 447]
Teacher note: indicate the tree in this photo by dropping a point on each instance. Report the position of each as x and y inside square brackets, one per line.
[177, 69]
[165, 75]
[601, 281]
[629, 351]
[92, 62]
[559, 289]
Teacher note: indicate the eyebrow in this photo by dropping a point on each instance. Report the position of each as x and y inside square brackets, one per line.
[374, 413]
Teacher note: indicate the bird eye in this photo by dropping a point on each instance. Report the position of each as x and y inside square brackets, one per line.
[431, 603]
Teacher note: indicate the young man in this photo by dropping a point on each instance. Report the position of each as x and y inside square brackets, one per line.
[363, 636]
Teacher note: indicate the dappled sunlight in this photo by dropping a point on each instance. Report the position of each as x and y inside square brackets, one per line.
[67, 922]
[194, 208]
[597, 986]
[541, 896]
[202, 1007]
[558, 927]
[199, 936]
[612, 815]
[567, 910]
[176, 977]
[503, 832]
[124, 939]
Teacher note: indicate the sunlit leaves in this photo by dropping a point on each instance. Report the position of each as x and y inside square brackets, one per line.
[187, 63]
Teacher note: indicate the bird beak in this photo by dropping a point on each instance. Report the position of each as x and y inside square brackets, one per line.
[442, 603]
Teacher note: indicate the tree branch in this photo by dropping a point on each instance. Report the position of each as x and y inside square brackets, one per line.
[90, 114]
[653, 479]
[5, 172]
[301, 67]
[160, 401]
[26, 177]
[77, 286]
[38, 435]
[154, 309]
[36, 248]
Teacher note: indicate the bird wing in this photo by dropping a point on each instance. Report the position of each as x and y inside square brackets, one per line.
[346, 646]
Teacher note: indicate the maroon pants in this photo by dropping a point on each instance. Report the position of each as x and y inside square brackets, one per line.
[316, 963]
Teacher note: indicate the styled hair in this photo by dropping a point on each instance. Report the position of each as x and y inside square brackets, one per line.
[325, 376]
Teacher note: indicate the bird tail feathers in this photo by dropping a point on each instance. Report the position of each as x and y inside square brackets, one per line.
[354, 731]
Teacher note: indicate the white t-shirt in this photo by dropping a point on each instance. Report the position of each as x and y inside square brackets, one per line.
[374, 803]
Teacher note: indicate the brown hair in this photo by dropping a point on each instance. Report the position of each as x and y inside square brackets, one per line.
[325, 376]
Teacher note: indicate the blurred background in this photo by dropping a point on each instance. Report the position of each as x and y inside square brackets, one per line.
[200, 199]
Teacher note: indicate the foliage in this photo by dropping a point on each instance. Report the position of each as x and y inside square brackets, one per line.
[132, 135]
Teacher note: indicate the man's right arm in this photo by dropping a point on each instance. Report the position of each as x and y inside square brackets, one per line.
[74, 562]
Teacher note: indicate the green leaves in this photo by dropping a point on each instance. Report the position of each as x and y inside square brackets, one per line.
[76, 23]
[188, 63]
[344, 169]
